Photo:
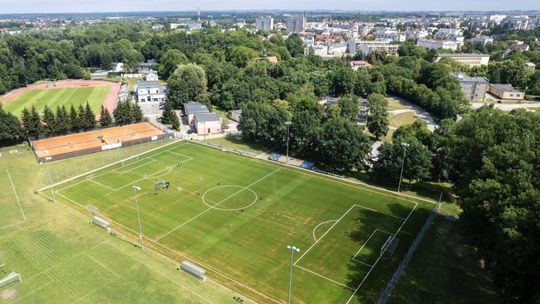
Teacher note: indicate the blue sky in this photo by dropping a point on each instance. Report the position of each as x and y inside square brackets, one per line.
[59, 6]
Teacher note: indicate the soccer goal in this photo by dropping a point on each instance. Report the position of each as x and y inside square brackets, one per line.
[10, 278]
[389, 247]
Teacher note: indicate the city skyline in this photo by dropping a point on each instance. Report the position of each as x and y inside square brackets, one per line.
[67, 6]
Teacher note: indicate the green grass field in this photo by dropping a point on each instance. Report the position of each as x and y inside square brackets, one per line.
[63, 259]
[235, 216]
[57, 97]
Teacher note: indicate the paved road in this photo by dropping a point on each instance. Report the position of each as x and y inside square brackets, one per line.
[418, 111]
[409, 107]
[508, 106]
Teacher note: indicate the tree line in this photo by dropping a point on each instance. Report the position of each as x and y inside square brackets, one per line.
[62, 121]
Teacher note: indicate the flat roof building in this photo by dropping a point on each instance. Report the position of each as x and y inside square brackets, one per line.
[438, 44]
[468, 59]
[506, 91]
[474, 88]
[192, 108]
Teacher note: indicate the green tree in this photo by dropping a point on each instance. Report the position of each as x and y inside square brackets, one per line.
[31, 125]
[89, 119]
[175, 123]
[188, 83]
[74, 119]
[136, 113]
[378, 119]
[495, 174]
[416, 165]
[61, 125]
[48, 120]
[11, 131]
[105, 119]
[349, 107]
[166, 114]
[242, 55]
[169, 61]
[343, 145]
[295, 45]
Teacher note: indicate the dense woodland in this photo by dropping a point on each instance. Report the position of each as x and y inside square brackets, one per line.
[491, 157]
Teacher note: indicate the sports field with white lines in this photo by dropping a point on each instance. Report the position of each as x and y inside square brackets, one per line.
[234, 216]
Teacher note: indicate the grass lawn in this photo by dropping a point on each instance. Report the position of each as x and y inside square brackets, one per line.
[57, 97]
[235, 216]
[394, 105]
[445, 269]
[402, 119]
[63, 259]
[240, 144]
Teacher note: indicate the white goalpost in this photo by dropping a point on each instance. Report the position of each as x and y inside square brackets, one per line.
[388, 248]
[10, 277]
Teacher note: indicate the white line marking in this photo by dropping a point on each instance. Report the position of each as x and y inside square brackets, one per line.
[180, 154]
[316, 227]
[16, 195]
[160, 273]
[379, 258]
[35, 290]
[228, 197]
[322, 236]
[99, 184]
[363, 245]
[368, 265]
[321, 276]
[110, 165]
[381, 212]
[117, 171]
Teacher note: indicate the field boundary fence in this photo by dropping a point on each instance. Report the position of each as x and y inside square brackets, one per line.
[387, 290]
[57, 173]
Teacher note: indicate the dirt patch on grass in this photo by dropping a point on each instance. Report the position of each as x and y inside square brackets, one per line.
[8, 294]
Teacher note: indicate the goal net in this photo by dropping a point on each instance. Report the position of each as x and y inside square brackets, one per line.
[389, 247]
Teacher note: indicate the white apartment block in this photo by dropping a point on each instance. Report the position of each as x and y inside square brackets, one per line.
[438, 44]
[449, 34]
[416, 34]
[390, 35]
[264, 23]
[482, 40]
[517, 22]
[367, 47]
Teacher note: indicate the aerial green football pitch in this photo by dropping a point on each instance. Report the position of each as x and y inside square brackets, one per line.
[235, 216]
[57, 97]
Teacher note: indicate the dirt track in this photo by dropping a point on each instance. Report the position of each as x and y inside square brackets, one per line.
[109, 103]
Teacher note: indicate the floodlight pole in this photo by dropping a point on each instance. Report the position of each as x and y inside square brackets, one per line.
[293, 249]
[50, 181]
[405, 145]
[135, 188]
[288, 123]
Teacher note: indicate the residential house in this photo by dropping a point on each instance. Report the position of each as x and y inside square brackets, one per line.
[207, 123]
[192, 108]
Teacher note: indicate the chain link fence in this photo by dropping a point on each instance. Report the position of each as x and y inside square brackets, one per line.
[60, 170]
[386, 292]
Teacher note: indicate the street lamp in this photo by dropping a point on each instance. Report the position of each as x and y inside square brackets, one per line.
[293, 249]
[405, 145]
[288, 123]
[135, 188]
